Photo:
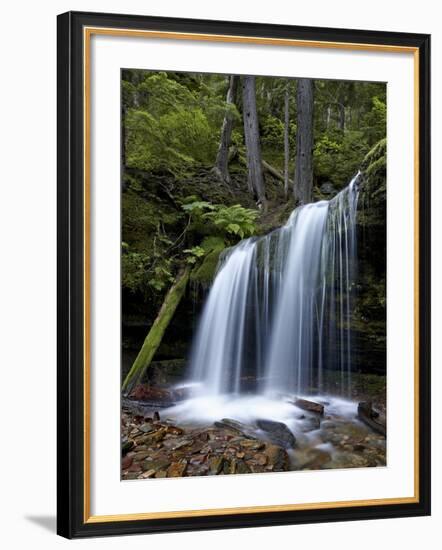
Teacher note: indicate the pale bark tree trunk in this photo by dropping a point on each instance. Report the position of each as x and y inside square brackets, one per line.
[221, 167]
[327, 124]
[303, 183]
[341, 117]
[156, 333]
[286, 141]
[251, 133]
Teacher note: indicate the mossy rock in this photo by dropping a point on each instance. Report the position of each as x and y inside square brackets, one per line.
[205, 271]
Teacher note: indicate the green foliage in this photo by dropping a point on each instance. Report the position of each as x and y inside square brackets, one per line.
[230, 220]
[193, 254]
[336, 158]
[141, 271]
[375, 121]
[169, 127]
[272, 132]
[235, 220]
[197, 207]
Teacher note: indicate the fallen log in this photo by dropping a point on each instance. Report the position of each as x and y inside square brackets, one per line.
[268, 168]
[310, 406]
[370, 417]
[274, 172]
[157, 330]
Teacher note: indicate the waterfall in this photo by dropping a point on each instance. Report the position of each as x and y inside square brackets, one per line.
[279, 310]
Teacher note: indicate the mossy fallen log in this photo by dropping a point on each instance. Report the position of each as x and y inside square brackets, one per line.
[156, 333]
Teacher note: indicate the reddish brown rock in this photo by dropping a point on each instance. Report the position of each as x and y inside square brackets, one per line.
[310, 406]
[126, 462]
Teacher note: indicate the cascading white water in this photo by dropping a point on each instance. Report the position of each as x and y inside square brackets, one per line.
[278, 312]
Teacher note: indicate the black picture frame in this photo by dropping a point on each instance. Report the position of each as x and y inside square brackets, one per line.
[72, 394]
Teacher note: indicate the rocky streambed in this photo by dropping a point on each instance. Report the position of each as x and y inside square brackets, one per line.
[155, 444]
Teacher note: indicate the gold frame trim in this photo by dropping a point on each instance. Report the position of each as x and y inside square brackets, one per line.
[88, 32]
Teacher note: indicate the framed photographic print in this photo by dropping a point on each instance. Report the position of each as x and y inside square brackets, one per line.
[243, 274]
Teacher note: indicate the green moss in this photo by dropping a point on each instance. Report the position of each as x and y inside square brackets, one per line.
[205, 271]
[377, 152]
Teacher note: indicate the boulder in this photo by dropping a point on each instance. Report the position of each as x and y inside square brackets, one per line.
[277, 432]
[277, 458]
[370, 417]
[238, 427]
[310, 406]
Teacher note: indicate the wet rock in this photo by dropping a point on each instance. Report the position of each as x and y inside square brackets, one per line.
[156, 416]
[153, 438]
[135, 467]
[126, 462]
[350, 460]
[314, 460]
[328, 425]
[343, 432]
[277, 432]
[151, 395]
[310, 424]
[174, 430]
[255, 468]
[214, 445]
[198, 470]
[131, 475]
[277, 458]
[174, 444]
[310, 406]
[147, 428]
[216, 465]
[198, 447]
[241, 467]
[239, 427]
[227, 467]
[251, 444]
[147, 474]
[370, 417]
[327, 188]
[126, 446]
[177, 469]
[140, 456]
[261, 459]
[159, 464]
[197, 459]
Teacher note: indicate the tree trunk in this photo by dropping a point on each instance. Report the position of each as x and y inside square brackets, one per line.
[274, 171]
[251, 133]
[341, 117]
[286, 141]
[304, 142]
[156, 333]
[221, 167]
